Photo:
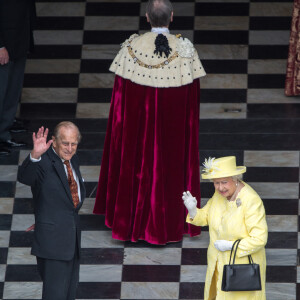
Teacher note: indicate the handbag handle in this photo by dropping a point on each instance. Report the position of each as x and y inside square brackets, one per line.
[236, 244]
[232, 249]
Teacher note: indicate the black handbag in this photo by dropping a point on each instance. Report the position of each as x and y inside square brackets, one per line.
[240, 277]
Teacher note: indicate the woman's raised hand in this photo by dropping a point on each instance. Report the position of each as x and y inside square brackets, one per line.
[40, 144]
[190, 203]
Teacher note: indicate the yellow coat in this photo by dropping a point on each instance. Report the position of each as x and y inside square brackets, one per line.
[227, 221]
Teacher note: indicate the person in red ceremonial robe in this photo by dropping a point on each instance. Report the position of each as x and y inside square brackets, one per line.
[151, 147]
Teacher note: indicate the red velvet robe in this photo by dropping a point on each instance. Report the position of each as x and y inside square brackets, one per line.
[292, 82]
[150, 158]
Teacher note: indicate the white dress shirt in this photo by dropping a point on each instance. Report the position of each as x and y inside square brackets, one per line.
[160, 30]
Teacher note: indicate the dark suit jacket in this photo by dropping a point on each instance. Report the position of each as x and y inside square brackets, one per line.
[57, 229]
[17, 18]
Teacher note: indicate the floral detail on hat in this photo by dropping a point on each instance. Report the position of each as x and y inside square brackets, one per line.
[210, 165]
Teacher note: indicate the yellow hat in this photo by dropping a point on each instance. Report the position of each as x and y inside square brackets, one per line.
[221, 167]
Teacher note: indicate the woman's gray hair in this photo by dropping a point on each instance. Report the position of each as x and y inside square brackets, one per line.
[159, 12]
[238, 177]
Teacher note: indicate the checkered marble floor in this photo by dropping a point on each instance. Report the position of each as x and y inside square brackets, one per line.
[243, 45]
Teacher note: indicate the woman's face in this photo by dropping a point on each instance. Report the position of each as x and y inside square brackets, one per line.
[226, 186]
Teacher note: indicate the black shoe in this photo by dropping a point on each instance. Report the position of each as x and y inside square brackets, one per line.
[4, 151]
[16, 128]
[13, 144]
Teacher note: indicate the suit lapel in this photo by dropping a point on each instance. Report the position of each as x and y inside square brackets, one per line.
[58, 166]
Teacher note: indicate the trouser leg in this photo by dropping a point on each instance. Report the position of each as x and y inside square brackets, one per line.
[74, 278]
[11, 78]
[60, 278]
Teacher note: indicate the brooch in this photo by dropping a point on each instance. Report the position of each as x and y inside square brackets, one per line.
[238, 202]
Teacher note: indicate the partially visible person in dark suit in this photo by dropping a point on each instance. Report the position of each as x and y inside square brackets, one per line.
[58, 193]
[17, 18]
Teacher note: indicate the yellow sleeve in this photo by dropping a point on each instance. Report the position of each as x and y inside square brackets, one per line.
[201, 218]
[255, 219]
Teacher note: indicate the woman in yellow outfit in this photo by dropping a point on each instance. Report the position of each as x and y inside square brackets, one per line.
[235, 211]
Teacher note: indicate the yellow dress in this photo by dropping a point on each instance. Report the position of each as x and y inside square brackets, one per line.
[229, 221]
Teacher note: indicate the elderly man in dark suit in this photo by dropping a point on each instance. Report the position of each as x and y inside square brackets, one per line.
[58, 193]
[16, 24]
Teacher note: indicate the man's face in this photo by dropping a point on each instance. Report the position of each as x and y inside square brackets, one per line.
[66, 144]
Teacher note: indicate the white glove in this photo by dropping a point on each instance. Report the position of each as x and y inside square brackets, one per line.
[190, 203]
[223, 245]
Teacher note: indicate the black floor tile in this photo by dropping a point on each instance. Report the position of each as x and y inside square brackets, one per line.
[106, 37]
[51, 80]
[223, 95]
[103, 256]
[207, 189]
[268, 52]
[282, 240]
[111, 9]
[250, 141]
[270, 23]
[11, 159]
[48, 110]
[225, 66]
[22, 273]
[21, 239]
[173, 1]
[281, 274]
[254, 125]
[60, 23]
[271, 1]
[56, 52]
[3, 255]
[179, 23]
[90, 157]
[221, 37]
[93, 141]
[7, 188]
[97, 95]
[5, 222]
[194, 256]
[191, 290]
[85, 125]
[99, 290]
[1, 289]
[60, 1]
[222, 9]
[281, 206]
[220, 153]
[272, 174]
[92, 126]
[298, 291]
[150, 273]
[91, 189]
[23, 206]
[266, 81]
[278, 110]
[95, 65]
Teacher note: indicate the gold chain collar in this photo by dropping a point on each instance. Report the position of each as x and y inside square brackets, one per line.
[162, 64]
